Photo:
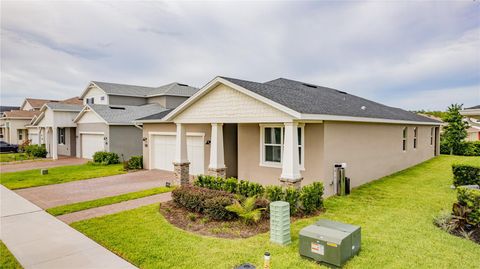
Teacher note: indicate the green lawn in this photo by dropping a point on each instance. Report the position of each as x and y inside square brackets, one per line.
[395, 214]
[65, 209]
[7, 260]
[11, 157]
[32, 178]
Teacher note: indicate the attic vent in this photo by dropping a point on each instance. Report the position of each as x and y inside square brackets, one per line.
[117, 107]
[309, 85]
[180, 84]
[341, 92]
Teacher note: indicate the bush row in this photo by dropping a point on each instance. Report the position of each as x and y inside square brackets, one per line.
[467, 148]
[135, 163]
[306, 200]
[106, 158]
[470, 198]
[465, 175]
[212, 203]
[37, 151]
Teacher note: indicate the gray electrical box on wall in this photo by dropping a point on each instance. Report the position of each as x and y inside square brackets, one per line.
[330, 242]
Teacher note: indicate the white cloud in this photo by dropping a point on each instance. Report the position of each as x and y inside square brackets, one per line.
[387, 52]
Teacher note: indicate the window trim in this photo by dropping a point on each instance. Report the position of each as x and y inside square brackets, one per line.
[405, 139]
[432, 131]
[19, 134]
[264, 163]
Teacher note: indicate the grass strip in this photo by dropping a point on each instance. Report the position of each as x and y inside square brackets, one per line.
[56, 175]
[7, 260]
[65, 209]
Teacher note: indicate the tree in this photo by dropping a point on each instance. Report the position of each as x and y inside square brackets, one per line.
[456, 130]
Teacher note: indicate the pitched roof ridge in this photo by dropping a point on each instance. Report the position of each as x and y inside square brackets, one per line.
[122, 84]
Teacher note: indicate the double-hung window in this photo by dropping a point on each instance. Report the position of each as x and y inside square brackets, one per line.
[20, 134]
[61, 136]
[272, 145]
[404, 142]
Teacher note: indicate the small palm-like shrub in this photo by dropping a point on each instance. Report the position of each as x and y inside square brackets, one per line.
[246, 210]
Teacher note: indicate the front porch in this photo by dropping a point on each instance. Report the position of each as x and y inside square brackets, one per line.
[58, 140]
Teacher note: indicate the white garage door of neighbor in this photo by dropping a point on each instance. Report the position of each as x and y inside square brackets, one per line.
[91, 143]
[33, 137]
[163, 153]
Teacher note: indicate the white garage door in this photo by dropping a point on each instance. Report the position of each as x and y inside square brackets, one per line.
[33, 137]
[90, 144]
[163, 153]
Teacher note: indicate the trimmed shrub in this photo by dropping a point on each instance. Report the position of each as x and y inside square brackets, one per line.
[311, 197]
[470, 198]
[214, 208]
[37, 151]
[135, 163]
[274, 193]
[106, 158]
[465, 175]
[250, 189]
[466, 148]
[292, 196]
[193, 198]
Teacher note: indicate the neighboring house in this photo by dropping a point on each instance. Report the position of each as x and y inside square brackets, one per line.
[285, 132]
[2, 123]
[106, 122]
[472, 115]
[55, 128]
[13, 125]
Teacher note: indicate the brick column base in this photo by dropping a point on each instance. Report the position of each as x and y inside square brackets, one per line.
[296, 183]
[217, 172]
[182, 173]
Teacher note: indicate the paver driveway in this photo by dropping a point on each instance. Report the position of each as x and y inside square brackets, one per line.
[91, 189]
[48, 163]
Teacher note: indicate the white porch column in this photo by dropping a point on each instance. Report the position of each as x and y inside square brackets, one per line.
[181, 163]
[39, 136]
[217, 160]
[54, 143]
[290, 161]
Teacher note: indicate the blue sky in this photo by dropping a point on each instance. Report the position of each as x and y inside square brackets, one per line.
[413, 55]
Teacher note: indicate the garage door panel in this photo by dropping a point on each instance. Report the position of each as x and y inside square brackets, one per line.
[163, 153]
[90, 144]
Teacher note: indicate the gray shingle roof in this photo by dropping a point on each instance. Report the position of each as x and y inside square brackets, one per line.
[175, 89]
[473, 107]
[61, 106]
[312, 99]
[157, 115]
[121, 114]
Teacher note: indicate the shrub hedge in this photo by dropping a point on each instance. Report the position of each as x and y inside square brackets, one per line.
[470, 198]
[37, 151]
[106, 158]
[135, 163]
[202, 200]
[306, 200]
[465, 175]
[467, 148]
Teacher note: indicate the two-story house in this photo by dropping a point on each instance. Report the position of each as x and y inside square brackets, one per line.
[106, 121]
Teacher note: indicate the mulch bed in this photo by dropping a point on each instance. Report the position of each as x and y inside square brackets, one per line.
[475, 236]
[197, 223]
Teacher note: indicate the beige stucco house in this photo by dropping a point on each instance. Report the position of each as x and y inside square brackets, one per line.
[472, 115]
[285, 132]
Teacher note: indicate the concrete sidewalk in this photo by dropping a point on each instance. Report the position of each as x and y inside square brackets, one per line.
[39, 240]
[38, 164]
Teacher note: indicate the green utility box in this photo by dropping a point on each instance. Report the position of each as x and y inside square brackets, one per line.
[329, 242]
[354, 230]
[280, 222]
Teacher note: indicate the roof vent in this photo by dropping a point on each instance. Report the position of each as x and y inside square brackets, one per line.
[116, 107]
[180, 84]
[363, 107]
[342, 92]
[309, 85]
